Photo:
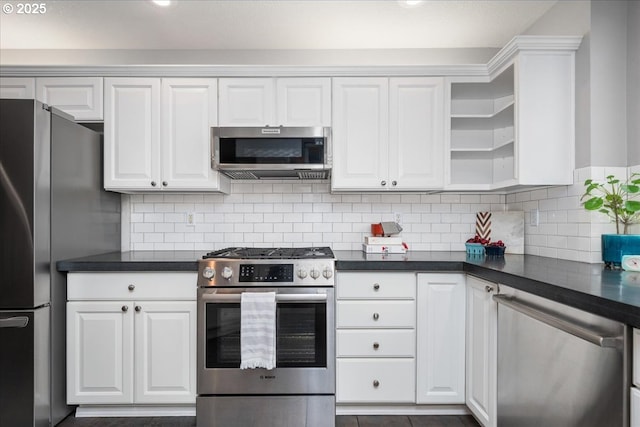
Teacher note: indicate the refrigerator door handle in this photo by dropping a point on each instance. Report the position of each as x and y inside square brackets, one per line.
[564, 325]
[14, 322]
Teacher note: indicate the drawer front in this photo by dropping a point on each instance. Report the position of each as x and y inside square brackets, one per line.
[132, 286]
[375, 343]
[376, 285]
[375, 314]
[375, 380]
[636, 357]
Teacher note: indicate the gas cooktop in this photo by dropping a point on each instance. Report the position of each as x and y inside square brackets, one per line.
[272, 253]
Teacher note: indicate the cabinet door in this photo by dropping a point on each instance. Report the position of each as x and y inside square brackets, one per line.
[247, 102]
[99, 352]
[189, 110]
[440, 331]
[416, 133]
[481, 363]
[635, 407]
[79, 96]
[131, 134]
[303, 101]
[17, 88]
[165, 346]
[360, 133]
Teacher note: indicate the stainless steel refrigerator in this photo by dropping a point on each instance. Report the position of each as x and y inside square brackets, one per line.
[52, 207]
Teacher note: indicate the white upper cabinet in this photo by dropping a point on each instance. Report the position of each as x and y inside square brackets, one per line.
[17, 87]
[275, 102]
[157, 135]
[81, 97]
[516, 128]
[388, 134]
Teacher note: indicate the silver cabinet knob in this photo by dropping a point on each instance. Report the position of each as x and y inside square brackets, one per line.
[153, 183]
[125, 308]
[383, 183]
[138, 308]
[131, 287]
[488, 288]
[165, 183]
[376, 316]
[376, 383]
[376, 286]
[376, 345]
[394, 183]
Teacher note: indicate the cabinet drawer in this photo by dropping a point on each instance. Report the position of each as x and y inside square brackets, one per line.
[375, 380]
[375, 343]
[375, 314]
[130, 286]
[376, 285]
[636, 357]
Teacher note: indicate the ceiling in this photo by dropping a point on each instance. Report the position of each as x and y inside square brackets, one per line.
[269, 24]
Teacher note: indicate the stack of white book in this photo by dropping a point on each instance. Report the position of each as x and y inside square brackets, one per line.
[383, 245]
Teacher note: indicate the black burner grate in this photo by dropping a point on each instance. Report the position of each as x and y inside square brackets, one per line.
[272, 253]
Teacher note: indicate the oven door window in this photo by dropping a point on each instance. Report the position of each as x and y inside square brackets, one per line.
[301, 335]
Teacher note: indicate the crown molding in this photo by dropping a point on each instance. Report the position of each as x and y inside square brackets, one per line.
[506, 54]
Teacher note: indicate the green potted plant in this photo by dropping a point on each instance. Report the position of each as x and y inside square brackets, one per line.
[616, 199]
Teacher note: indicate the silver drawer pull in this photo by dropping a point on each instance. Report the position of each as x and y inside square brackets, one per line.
[138, 308]
[376, 383]
[376, 345]
[131, 287]
[376, 316]
[14, 322]
[488, 288]
[376, 286]
[125, 308]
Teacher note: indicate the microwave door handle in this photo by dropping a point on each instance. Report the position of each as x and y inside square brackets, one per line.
[279, 297]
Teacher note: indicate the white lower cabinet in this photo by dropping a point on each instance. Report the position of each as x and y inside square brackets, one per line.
[139, 348]
[375, 338]
[441, 339]
[481, 350]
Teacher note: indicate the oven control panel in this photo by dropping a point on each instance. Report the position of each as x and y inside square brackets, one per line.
[215, 272]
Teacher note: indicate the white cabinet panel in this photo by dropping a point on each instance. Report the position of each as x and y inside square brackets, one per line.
[82, 97]
[441, 338]
[481, 351]
[17, 87]
[375, 380]
[99, 352]
[416, 129]
[360, 133]
[165, 348]
[303, 101]
[375, 314]
[388, 133]
[247, 102]
[189, 110]
[168, 285]
[375, 343]
[131, 133]
[386, 285]
[636, 357]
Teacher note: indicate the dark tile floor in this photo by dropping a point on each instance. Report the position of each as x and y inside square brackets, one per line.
[341, 421]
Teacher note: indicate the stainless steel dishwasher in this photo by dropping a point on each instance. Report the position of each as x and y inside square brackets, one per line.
[559, 366]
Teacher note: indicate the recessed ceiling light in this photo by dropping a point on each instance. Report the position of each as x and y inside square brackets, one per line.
[162, 2]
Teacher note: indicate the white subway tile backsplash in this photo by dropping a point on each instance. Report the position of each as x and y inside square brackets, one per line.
[306, 213]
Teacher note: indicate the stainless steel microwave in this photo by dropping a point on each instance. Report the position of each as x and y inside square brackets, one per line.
[272, 152]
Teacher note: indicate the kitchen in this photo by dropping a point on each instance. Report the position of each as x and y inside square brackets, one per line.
[310, 213]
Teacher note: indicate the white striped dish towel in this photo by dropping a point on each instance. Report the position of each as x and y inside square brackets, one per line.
[258, 330]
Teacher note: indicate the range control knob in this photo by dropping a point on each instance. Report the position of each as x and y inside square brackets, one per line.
[327, 273]
[314, 273]
[302, 273]
[227, 272]
[208, 273]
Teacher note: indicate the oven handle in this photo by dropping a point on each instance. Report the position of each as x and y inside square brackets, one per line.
[279, 297]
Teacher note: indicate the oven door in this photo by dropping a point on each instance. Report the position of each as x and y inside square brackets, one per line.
[305, 343]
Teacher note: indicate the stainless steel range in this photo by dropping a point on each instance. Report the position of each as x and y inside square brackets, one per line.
[300, 391]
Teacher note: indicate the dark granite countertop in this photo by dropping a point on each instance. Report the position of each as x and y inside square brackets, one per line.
[611, 293]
